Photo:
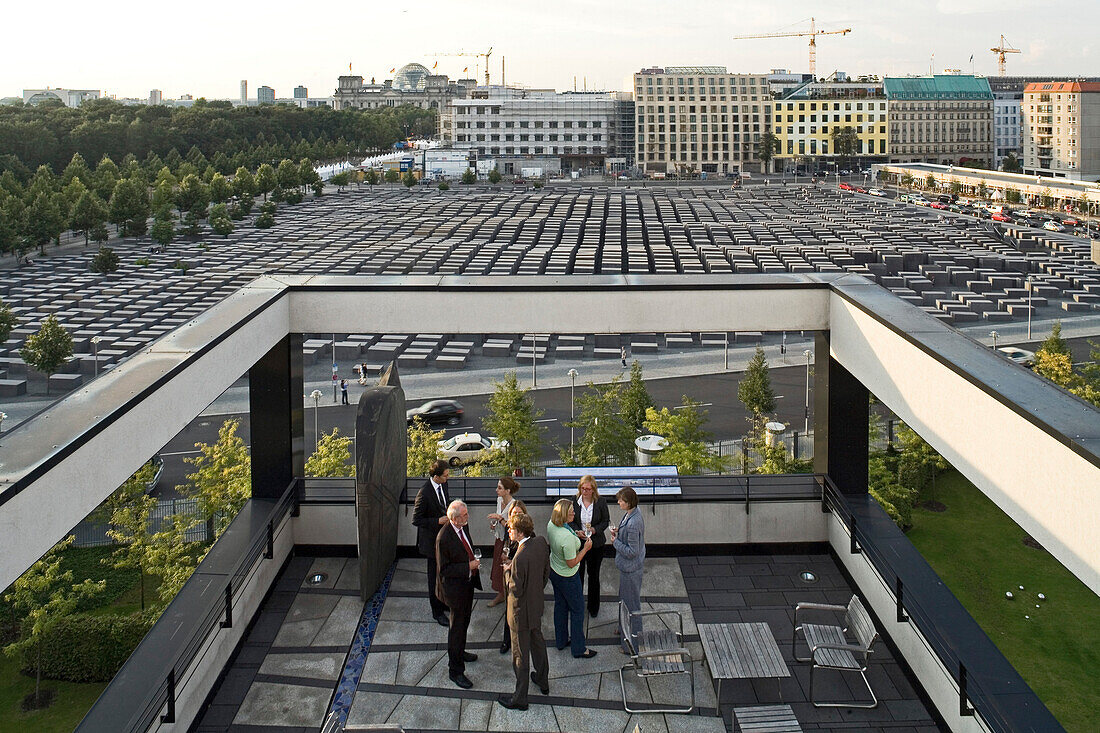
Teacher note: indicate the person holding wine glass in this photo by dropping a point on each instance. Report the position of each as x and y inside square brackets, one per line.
[590, 520]
[628, 539]
[507, 552]
[566, 553]
[507, 488]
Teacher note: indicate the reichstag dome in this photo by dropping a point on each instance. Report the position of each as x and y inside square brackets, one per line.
[411, 77]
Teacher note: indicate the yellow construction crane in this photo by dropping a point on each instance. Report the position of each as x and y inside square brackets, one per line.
[1001, 51]
[486, 55]
[813, 34]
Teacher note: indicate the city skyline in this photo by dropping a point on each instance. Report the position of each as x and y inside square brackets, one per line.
[601, 47]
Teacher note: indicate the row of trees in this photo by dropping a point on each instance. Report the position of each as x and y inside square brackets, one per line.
[230, 137]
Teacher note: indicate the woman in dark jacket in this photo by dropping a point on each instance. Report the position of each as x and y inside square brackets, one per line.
[590, 513]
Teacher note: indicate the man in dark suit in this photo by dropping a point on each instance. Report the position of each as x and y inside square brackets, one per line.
[429, 514]
[525, 577]
[455, 584]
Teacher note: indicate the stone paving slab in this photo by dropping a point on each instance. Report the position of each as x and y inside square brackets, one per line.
[278, 704]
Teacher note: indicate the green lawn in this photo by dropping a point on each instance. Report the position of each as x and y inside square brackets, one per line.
[73, 700]
[979, 553]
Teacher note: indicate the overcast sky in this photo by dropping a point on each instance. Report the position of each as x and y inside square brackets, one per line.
[205, 48]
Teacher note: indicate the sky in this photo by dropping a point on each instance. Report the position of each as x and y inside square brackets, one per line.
[205, 48]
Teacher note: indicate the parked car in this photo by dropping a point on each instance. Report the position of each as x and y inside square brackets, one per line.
[847, 187]
[1023, 357]
[938, 205]
[860, 189]
[1053, 226]
[466, 448]
[436, 412]
[1001, 217]
[876, 192]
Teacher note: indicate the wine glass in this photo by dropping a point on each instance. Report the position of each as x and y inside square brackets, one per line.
[477, 553]
[505, 552]
[588, 529]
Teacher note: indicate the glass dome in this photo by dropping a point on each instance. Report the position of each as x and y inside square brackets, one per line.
[411, 77]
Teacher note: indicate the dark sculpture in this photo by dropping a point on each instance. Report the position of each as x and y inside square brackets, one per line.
[380, 466]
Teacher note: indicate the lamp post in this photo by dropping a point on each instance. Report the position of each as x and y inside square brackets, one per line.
[316, 395]
[993, 335]
[806, 426]
[726, 351]
[572, 385]
[95, 355]
[534, 360]
[1029, 293]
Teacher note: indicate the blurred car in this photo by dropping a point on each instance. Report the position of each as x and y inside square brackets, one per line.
[938, 205]
[1023, 357]
[436, 412]
[1000, 217]
[847, 187]
[466, 448]
[876, 192]
[158, 468]
[860, 189]
[1053, 226]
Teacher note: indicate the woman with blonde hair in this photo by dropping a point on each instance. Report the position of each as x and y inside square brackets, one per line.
[506, 553]
[566, 554]
[590, 520]
[507, 488]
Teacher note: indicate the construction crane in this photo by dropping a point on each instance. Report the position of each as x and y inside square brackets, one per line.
[1001, 51]
[813, 34]
[486, 55]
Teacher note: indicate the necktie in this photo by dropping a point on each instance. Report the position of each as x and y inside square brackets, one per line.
[442, 497]
[469, 550]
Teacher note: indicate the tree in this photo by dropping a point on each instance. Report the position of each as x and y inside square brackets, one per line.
[129, 207]
[907, 180]
[192, 223]
[1012, 196]
[48, 349]
[42, 596]
[371, 177]
[767, 148]
[126, 512]
[443, 186]
[220, 220]
[423, 447]
[408, 179]
[494, 176]
[340, 180]
[44, 220]
[955, 186]
[687, 440]
[918, 463]
[332, 457]
[1054, 343]
[983, 190]
[287, 174]
[8, 321]
[265, 180]
[99, 233]
[13, 217]
[88, 211]
[511, 417]
[105, 178]
[607, 438]
[636, 399]
[243, 182]
[392, 175]
[307, 174]
[930, 182]
[193, 196]
[755, 389]
[163, 227]
[468, 176]
[168, 555]
[104, 261]
[220, 190]
[776, 459]
[845, 141]
[1011, 164]
[896, 500]
[222, 481]
[266, 220]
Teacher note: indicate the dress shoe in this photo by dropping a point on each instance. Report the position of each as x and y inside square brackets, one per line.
[462, 681]
[441, 619]
[505, 647]
[506, 702]
[469, 657]
[563, 646]
[588, 654]
[543, 690]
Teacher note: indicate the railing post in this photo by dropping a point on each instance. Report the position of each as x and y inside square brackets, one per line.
[902, 616]
[270, 552]
[170, 714]
[964, 708]
[748, 492]
[853, 544]
[228, 622]
[824, 493]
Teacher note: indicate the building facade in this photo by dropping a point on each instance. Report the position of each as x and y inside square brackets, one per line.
[265, 94]
[807, 116]
[68, 97]
[244, 91]
[1061, 130]
[301, 92]
[413, 84]
[945, 119]
[699, 119]
[540, 128]
[155, 97]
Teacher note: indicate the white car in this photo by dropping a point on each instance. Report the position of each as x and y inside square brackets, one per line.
[1053, 226]
[1023, 357]
[468, 448]
[876, 192]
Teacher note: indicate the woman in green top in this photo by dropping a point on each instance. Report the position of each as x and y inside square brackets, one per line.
[568, 593]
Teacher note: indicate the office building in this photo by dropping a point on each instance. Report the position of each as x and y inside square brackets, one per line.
[699, 119]
[265, 94]
[567, 131]
[244, 91]
[68, 97]
[1008, 94]
[301, 92]
[945, 119]
[1061, 129]
[806, 116]
[155, 97]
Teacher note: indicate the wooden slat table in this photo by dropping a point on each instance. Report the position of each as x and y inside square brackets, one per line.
[740, 651]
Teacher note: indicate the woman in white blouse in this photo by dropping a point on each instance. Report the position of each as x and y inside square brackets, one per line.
[590, 514]
[507, 488]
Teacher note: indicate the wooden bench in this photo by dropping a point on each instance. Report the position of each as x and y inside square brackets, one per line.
[766, 719]
[654, 652]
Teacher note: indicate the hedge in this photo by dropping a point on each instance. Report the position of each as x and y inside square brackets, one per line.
[86, 648]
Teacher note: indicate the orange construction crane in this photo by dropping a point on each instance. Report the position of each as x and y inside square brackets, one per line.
[486, 55]
[813, 34]
[1001, 51]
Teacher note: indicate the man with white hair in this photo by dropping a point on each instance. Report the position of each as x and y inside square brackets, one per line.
[455, 583]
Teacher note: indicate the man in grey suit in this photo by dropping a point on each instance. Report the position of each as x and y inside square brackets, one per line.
[525, 577]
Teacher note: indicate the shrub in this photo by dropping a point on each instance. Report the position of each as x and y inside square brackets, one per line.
[104, 261]
[443, 186]
[86, 648]
[265, 221]
[294, 196]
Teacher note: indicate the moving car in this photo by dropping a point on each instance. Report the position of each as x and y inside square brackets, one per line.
[468, 448]
[847, 187]
[1001, 217]
[938, 205]
[1023, 357]
[1053, 226]
[436, 412]
[876, 192]
[158, 468]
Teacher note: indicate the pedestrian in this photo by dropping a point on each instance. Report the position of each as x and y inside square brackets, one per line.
[498, 525]
[526, 575]
[566, 553]
[429, 514]
[622, 355]
[628, 539]
[344, 391]
[590, 520]
[458, 578]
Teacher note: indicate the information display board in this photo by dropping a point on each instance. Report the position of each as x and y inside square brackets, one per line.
[645, 480]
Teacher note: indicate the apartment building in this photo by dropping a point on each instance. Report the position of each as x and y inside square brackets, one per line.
[807, 116]
[945, 119]
[1061, 130]
[699, 119]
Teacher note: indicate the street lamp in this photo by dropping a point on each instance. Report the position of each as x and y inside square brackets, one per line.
[726, 351]
[1029, 294]
[316, 395]
[806, 427]
[534, 359]
[993, 335]
[572, 385]
[95, 355]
